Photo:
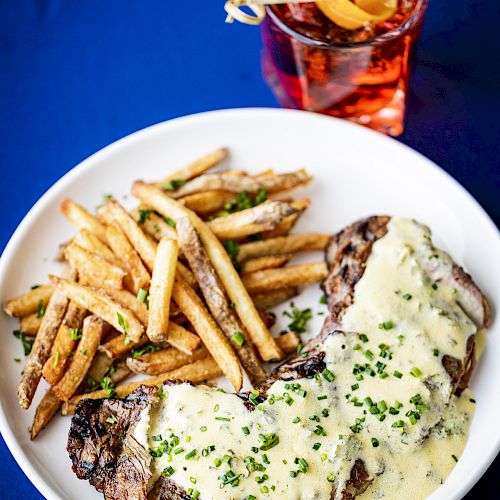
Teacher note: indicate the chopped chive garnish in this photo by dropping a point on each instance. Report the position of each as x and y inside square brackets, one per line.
[322, 299]
[375, 442]
[223, 419]
[179, 450]
[316, 446]
[401, 339]
[167, 472]
[407, 296]
[472, 400]
[238, 339]
[369, 354]
[122, 322]
[245, 430]
[203, 429]
[455, 458]
[40, 309]
[141, 295]
[435, 352]
[328, 375]
[354, 387]
[397, 374]
[386, 325]
[363, 337]
[111, 420]
[434, 286]
[330, 478]
[416, 372]
[320, 398]
[190, 454]
[356, 347]
[56, 358]
[296, 420]
[398, 423]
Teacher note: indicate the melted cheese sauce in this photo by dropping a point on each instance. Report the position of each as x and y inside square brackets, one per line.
[390, 402]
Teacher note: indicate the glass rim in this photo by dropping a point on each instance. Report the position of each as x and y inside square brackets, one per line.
[384, 37]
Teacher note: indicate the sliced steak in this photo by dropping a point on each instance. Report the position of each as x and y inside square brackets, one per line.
[111, 459]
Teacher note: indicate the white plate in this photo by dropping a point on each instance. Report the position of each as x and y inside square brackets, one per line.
[357, 173]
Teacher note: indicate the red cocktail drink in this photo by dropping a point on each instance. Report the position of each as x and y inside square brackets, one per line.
[360, 74]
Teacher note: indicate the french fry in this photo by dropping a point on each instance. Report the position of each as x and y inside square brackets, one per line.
[251, 220]
[28, 302]
[283, 245]
[186, 274]
[30, 324]
[93, 329]
[100, 304]
[92, 243]
[152, 224]
[196, 168]
[129, 257]
[288, 342]
[45, 411]
[272, 298]
[270, 279]
[160, 292]
[94, 265]
[155, 363]
[142, 243]
[81, 218]
[120, 371]
[98, 369]
[64, 343]
[244, 305]
[178, 337]
[284, 227]
[206, 328]
[40, 351]
[207, 202]
[237, 184]
[217, 302]
[265, 262]
[196, 372]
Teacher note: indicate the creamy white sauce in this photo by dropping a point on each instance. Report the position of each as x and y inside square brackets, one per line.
[405, 322]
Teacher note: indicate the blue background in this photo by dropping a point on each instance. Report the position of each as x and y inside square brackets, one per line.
[77, 75]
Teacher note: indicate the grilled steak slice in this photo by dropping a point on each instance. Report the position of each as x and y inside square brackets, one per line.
[346, 256]
[103, 449]
[107, 454]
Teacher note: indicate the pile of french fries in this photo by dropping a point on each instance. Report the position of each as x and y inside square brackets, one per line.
[177, 288]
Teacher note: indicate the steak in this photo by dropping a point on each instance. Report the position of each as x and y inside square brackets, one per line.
[101, 439]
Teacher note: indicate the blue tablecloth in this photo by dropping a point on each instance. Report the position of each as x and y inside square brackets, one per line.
[77, 75]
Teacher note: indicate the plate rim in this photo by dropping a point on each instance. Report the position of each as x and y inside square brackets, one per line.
[13, 445]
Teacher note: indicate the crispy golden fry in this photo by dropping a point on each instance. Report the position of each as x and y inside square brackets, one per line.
[203, 369]
[271, 298]
[93, 329]
[217, 302]
[178, 337]
[123, 297]
[244, 305]
[288, 342]
[98, 369]
[283, 244]
[64, 343]
[30, 324]
[207, 202]
[206, 328]
[152, 224]
[265, 262]
[160, 292]
[196, 168]
[154, 363]
[92, 264]
[81, 218]
[129, 257]
[283, 228]
[45, 411]
[100, 304]
[187, 275]
[142, 243]
[237, 184]
[251, 220]
[270, 279]
[40, 351]
[120, 371]
[92, 243]
[28, 302]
